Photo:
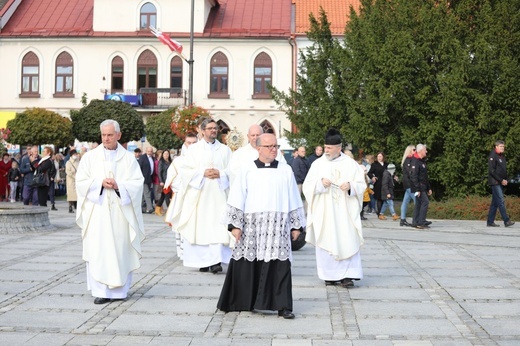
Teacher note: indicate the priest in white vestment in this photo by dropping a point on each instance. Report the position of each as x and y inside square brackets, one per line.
[264, 213]
[249, 152]
[173, 182]
[201, 202]
[109, 185]
[334, 189]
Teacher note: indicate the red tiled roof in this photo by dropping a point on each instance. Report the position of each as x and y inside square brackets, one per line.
[337, 13]
[246, 18]
[51, 18]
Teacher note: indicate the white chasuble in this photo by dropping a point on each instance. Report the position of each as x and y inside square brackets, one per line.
[111, 226]
[333, 215]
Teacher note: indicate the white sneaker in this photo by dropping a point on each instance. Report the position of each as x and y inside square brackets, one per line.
[12, 201]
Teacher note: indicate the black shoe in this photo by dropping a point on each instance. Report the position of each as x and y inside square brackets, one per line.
[204, 270]
[404, 223]
[427, 223]
[53, 207]
[70, 209]
[215, 268]
[288, 315]
[347, 283]
[493, 225]
[149, 211]
[422, 227]
[363, 218]
[509, 223]
[101, 300]
[330, 283]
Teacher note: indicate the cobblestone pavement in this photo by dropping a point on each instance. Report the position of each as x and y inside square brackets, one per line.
[455, 284]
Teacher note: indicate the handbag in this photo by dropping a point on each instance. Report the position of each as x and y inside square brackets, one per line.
[38, 179]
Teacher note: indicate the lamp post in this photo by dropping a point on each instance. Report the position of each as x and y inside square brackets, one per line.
[190, 62]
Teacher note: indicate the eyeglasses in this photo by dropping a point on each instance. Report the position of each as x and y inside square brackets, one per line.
[270, 147]
[210, 128]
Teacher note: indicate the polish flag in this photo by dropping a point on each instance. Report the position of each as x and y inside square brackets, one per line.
[172, 44]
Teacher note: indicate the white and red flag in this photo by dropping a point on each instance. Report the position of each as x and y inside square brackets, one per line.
[165, 39]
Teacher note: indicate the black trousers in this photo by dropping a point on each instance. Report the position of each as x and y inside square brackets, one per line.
[43, 194]
[421, 208]
[257, 285]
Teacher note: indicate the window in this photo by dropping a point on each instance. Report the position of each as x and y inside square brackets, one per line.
[30, 75]
[176, 75]
[117, 74]
[64, 75]
[148, 16]
[146, 70]
[219, 76]
[263, 72]
[267, 127]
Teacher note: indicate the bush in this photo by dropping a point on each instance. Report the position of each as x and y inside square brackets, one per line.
[467, 208]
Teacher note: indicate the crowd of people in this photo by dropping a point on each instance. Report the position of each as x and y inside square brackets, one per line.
[240, 209]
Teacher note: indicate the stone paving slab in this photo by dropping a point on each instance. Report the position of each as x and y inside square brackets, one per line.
[455, 284]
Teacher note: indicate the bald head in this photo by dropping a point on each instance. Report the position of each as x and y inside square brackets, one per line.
[254, 132]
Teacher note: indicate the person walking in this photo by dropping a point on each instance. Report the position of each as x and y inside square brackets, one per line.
[420, 186]
[263, 221]
[110, 187]
[406, 164]
[497, 179]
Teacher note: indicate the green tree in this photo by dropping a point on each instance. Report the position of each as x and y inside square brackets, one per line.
[86, 121]
[437, 72]
[158, 130]
[40, 126]
[318, 103]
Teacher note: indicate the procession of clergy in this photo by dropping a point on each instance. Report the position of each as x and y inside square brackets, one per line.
[242, 209]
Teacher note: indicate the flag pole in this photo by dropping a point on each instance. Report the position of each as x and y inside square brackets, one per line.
[190, 62]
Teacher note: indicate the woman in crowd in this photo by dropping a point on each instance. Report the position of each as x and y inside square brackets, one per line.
[376, 175]
[54, 179]
[70, 169]
[5, 166]
[164, 163]
[45, 166]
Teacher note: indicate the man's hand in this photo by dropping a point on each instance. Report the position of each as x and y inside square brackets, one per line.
[345, 186]
[504, 182]
[295, 233]
[326, 182]
[110, 183]
[212, 173]
[237, 233]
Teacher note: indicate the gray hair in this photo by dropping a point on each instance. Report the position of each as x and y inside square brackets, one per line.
[110, 122]
[420, 147]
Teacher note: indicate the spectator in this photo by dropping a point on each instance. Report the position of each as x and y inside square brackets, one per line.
[300, 167]
[146, 163]
[5, 166]
[420, 186]
[318, 151]
[406, 164]
[14, 176]
[29, 192]
[71, 167]
[387, 193]
[376, 175]
[164, 164]
[157, 188]
[45, 166]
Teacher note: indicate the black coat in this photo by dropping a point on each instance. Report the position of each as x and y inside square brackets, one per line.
[146, 169]
[376, 170]
[496, 168]
[387, 186]
[419, 176]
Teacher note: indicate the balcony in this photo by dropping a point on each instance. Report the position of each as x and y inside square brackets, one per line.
[150, 98]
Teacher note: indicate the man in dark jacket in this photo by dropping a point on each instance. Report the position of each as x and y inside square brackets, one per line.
[420, 186]
[300, 167]
[497, 179]
[146, 163]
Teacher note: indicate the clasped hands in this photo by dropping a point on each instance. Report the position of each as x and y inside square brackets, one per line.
[212, 173]
[343, 186]
[109, 183]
